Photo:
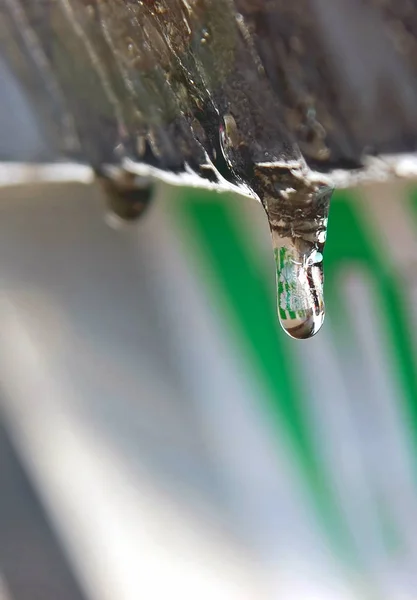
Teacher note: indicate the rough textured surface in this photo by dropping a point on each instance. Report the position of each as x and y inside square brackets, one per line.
[153, 79]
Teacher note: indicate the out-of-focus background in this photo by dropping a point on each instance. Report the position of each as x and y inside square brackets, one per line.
[161, 436]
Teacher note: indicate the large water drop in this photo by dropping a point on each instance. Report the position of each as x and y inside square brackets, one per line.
[298, 216]
[300, 300]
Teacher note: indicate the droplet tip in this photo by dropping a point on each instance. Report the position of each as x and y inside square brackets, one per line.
[303, 328]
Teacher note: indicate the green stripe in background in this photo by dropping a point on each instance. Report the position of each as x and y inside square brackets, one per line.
[253, 317]
[234, 264]
[350, 244]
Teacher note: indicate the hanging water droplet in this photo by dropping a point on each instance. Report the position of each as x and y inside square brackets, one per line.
[297, 211]
[127, 195]
[299, 286]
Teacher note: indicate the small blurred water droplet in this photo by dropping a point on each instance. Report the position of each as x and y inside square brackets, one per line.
[205, 36]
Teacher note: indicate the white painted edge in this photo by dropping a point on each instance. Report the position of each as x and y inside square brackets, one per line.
[375, 169]
[15, 173]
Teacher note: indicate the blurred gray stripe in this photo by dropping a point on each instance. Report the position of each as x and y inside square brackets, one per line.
[32, 563]
[21, 136]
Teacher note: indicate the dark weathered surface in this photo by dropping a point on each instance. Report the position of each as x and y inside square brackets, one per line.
[264, 96]
[344, 72]
[153, 80]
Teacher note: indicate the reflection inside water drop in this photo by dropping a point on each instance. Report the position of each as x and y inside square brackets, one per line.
[299, 286]
[299, 226]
